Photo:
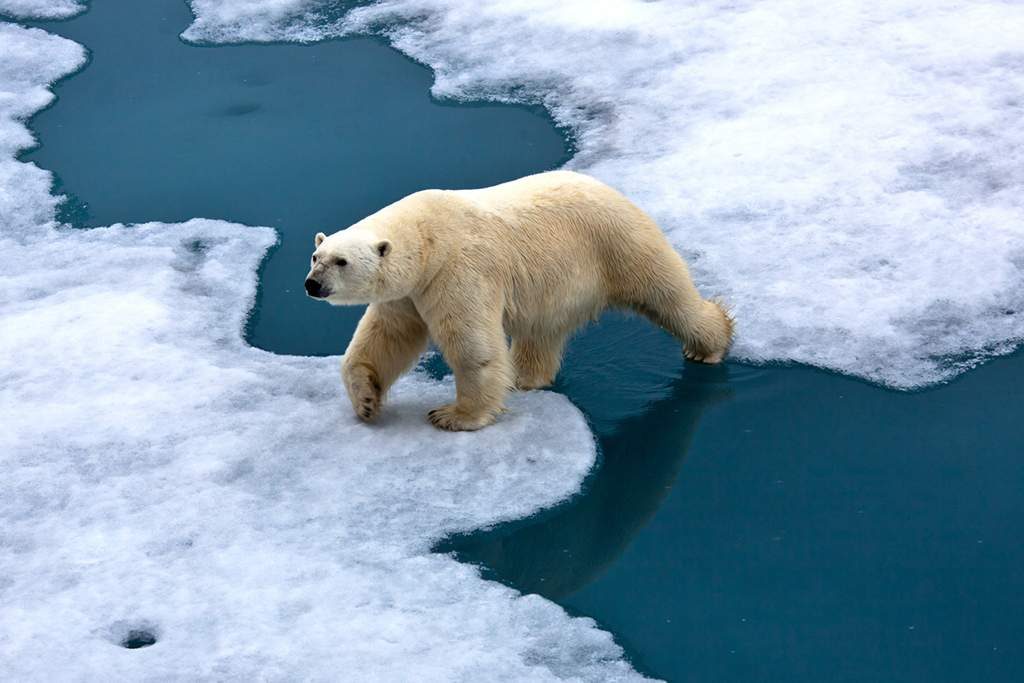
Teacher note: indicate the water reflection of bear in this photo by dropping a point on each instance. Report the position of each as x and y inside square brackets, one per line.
[628, 379]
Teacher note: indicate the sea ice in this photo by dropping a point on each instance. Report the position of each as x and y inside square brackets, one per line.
[30, 59]
[848, 175]
[41, 9]
[176, 505]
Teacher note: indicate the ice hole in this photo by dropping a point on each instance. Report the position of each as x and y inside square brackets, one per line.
[138, 638]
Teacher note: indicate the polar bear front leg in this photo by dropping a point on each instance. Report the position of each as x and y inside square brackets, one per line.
[389, 338]
[478, 356]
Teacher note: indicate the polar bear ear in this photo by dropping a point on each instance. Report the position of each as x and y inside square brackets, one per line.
[319, 239]
[383, 248]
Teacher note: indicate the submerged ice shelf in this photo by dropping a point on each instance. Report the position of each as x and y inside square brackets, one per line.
[177, 504]
[847, 175]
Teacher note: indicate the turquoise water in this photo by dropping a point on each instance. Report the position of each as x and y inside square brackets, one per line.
[744, 524]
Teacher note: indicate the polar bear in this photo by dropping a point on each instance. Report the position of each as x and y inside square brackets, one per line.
[531, 260]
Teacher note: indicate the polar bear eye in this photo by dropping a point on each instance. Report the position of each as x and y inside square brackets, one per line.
[342, 263]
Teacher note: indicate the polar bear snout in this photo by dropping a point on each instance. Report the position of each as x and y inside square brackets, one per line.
[315, 289]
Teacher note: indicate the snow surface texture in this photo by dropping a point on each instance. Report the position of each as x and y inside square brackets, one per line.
[848, 175]
[41, 9]
[164, 481]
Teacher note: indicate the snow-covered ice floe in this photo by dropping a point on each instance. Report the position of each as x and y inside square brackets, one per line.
[176, 505]
[41, 9]
[848, 175]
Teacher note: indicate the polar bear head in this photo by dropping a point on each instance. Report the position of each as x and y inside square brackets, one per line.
[358, 266]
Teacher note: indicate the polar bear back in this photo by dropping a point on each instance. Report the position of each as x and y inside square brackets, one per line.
[567, 243]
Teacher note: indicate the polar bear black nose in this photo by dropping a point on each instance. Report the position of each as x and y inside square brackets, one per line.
[313, 288]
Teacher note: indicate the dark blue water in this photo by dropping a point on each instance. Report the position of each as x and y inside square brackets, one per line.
[791, 525]
[745, 524]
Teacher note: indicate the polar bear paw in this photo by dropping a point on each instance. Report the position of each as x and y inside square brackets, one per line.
[533, 382]
[708, 341]
[704, 357]
[451, 418]
[365, 393]
[369, 406]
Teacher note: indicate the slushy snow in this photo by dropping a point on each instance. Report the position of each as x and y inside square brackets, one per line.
[848, 175]
[164, 481]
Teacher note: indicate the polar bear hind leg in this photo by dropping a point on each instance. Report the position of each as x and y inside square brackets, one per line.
[703, 327]
[660, 288]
